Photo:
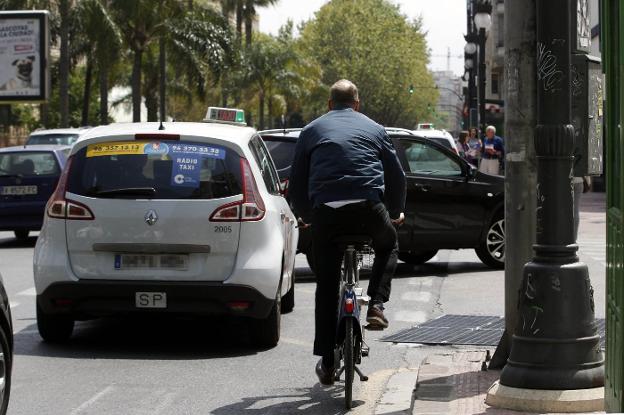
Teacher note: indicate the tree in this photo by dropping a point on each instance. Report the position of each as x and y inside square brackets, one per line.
[249, 14]
[380, 50]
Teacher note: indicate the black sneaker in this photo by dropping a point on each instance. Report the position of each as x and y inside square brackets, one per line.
[375, 317]
[325, 376]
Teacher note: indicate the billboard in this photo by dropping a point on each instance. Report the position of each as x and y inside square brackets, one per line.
[24, 56]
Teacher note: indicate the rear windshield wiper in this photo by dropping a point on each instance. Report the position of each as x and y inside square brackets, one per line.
[130, 191]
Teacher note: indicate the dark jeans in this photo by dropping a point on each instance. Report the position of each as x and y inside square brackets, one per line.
[365, 218]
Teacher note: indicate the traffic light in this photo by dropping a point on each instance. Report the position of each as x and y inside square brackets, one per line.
[411, 89]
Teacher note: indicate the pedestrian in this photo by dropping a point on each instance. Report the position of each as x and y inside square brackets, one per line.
[474, 147]
[493, 152]
[581, 185]
[343, 171]
[462, 144]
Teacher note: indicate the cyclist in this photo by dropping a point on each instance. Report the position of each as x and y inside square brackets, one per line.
[344, 170]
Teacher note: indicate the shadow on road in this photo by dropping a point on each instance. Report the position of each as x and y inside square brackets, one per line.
[18, 243]
[140, 338]
[326, 400]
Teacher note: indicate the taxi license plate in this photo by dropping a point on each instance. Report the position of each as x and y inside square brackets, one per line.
[18, 190]
[150, 300]
[142, 261]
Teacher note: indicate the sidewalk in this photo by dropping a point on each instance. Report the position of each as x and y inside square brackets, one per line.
[452, 382]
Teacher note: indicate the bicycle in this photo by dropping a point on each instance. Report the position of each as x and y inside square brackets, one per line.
[350, 344]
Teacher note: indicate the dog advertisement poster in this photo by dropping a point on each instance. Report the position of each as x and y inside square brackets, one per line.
[23, 56]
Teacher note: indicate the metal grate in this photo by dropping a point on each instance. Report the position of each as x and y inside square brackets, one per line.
[464, 330]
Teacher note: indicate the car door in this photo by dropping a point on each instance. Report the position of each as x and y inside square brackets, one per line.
[271, 180]
[444, 208]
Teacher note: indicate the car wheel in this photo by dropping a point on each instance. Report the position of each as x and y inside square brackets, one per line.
[54, 328]
[288, 301]
[21, 233]
[417, 258]
[491, 251]
[266, 332]
[6, 366]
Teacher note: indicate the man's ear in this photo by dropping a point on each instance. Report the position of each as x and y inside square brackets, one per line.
[330, 105]
[356, 106]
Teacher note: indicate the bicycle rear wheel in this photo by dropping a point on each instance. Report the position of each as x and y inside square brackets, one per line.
[349, 362]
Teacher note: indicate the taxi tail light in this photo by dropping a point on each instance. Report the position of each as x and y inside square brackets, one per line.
[251, 208]
[61, 208]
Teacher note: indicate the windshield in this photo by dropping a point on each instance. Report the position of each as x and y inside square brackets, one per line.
[28, 163]
[156, 170]
[65, 139]
[282, 152]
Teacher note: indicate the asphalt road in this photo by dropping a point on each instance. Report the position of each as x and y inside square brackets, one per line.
[201, 366]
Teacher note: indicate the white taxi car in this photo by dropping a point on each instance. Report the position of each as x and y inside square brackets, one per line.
[182, 219]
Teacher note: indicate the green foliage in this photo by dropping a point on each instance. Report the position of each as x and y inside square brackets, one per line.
[372, 44]
[76, 88]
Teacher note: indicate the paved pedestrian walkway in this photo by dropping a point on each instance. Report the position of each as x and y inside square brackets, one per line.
[453, 382]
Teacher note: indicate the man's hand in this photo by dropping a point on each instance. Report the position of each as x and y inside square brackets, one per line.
[302, 224]
[398, 221]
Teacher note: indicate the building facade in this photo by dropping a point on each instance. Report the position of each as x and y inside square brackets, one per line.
[450, 101]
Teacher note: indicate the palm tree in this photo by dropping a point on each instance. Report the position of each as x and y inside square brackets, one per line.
[100, 42]
[249, 14]
[234, 6]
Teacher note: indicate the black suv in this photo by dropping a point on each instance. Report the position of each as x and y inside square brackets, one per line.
[450, 205]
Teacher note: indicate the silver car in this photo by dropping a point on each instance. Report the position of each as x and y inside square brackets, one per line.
[187, 220]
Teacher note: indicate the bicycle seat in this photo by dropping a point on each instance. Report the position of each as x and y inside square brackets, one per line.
[358, 241]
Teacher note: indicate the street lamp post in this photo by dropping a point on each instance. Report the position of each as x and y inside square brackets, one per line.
[483, 22]
[555, 345]
[470, 51]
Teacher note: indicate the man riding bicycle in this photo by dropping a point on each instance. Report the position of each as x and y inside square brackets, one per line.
[344, 174]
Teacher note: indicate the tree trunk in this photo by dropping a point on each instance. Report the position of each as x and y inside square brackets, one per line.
[64, 64]
[270, 107]
[136, 85]
[239, 21]
[103, 94]
[86, 97]
[151, 104]
[261, 110]
[248, 21]
[162, 78]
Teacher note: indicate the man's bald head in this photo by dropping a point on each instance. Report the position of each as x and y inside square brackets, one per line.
[344, 93]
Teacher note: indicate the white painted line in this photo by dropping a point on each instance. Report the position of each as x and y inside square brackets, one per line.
[422, 282]
[94, 399]
[13, 304]
[166, 403]
[411, 316]
[421, 296]
[31, 292]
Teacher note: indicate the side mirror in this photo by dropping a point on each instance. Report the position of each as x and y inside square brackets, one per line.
[471, 172]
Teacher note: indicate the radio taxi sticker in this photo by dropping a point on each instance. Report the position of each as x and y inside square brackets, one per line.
[122, 148]
[187, 161]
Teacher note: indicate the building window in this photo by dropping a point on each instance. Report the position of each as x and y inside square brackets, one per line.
[494, 83]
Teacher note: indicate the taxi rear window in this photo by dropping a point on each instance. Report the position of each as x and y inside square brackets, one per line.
[28, 163]
[155, 170]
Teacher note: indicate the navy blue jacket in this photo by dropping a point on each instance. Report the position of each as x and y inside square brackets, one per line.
[344, 155]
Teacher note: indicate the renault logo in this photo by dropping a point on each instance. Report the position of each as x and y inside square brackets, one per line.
[151, 217]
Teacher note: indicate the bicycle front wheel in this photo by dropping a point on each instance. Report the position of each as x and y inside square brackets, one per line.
[349, 362]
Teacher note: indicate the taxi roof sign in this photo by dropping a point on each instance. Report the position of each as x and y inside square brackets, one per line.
[425, 126]
[225, 115]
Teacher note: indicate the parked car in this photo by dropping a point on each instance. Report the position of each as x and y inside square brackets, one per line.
[450, 205]
[6, 349]
[59, 136]
[28, 176]
[439, 136]
[189, 219]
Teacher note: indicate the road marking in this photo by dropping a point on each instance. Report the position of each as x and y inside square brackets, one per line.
[29, 292]
[422, 282]
[94, 399]
[13, 304]
[296, 342]
[411, 316]
[421, 296]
